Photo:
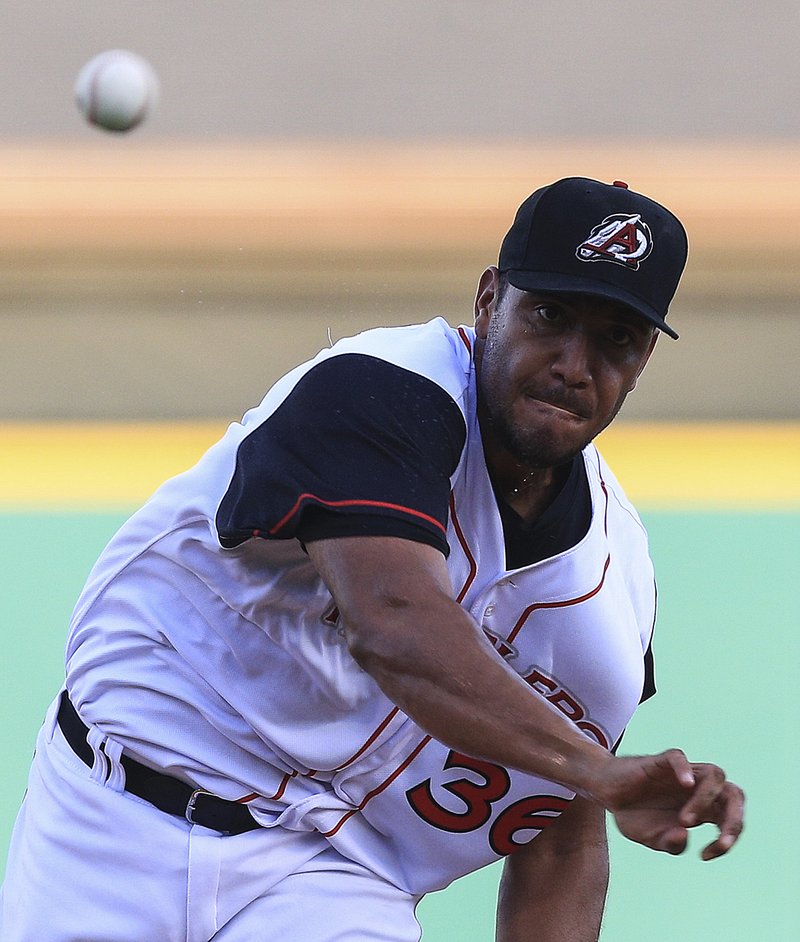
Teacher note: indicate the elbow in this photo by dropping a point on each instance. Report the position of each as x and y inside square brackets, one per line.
[379, 642]
[358, 639]
[364, 652]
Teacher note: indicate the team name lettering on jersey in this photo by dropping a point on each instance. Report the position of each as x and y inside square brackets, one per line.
[552, 691]
[564, 701]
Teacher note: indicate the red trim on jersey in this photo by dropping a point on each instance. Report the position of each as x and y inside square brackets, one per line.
[370, 741]
[563, 604]
[473, 566]
[282, 787]
[384, 723]
[463, 335]
[379, 788]
[605, 515]
[605, 493]
[246, 798]
[576, 601]
[332, 617]
[352, 503]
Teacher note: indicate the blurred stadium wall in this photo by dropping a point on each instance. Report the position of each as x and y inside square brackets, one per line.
[174, 280]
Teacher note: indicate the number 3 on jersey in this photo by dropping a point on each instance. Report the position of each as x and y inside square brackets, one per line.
[533, 813]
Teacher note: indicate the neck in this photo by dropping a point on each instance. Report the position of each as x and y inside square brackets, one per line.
[528, 490]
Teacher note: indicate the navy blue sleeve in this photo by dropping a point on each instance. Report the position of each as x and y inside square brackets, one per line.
[359, 446]
[649, 688]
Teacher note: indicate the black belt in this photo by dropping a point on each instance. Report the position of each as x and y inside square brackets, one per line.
[165, 792]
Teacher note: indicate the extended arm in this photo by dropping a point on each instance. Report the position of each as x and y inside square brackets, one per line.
[431, 659]
[555, 887]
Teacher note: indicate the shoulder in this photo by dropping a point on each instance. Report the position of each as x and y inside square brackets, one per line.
[392, 377]
[625, 532]
[600, 475]
[434, 350]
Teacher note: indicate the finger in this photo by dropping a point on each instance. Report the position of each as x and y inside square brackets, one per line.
[702, 804]
[673, 841]
[718, 847]
[681, 767]
[731, 822]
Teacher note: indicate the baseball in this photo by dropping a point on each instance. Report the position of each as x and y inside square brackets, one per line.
[116, 90]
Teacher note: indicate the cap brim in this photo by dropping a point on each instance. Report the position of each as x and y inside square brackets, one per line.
[551, 282]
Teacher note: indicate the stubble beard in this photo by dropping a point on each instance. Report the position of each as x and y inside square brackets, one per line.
[531, 447]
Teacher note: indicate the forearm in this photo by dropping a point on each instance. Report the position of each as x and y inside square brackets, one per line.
[452, 683]
[430, 658]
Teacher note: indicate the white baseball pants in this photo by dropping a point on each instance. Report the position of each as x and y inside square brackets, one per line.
[89, 862]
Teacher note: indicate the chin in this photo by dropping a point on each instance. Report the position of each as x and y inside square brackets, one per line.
[540, 449]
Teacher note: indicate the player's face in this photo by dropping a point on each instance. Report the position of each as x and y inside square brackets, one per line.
[554, 370]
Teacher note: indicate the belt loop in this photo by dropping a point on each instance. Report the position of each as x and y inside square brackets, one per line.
[51, 719]
[110, 766]
[116, 777]
[99, 771]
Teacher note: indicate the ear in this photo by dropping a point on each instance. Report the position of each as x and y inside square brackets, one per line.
[645, 358]
[486, 300]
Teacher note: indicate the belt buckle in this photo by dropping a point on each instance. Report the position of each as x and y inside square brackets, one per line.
[191, 804]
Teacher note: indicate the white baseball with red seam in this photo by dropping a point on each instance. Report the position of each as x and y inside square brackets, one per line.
[116, 90]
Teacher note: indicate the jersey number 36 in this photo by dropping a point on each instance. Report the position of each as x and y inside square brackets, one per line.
[533, 813]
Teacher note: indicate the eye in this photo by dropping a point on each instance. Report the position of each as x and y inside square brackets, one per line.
[549, 313]
[621, 335]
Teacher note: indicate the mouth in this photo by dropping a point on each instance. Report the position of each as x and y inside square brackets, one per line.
[570, 411]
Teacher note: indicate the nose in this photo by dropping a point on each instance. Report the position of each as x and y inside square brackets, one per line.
[572, 360]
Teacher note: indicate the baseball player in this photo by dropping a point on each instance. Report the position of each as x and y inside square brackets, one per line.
[388, 630]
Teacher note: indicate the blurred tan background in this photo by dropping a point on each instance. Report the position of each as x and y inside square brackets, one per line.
[317, 168]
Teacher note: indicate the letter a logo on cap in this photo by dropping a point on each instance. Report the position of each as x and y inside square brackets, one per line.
[621, 239]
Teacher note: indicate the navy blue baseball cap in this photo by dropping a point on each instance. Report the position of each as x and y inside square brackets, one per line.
[600, 239]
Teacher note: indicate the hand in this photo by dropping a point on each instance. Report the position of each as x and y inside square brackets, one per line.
[656, 799]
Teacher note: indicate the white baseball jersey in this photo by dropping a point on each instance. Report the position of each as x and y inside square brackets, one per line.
[206, 644]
